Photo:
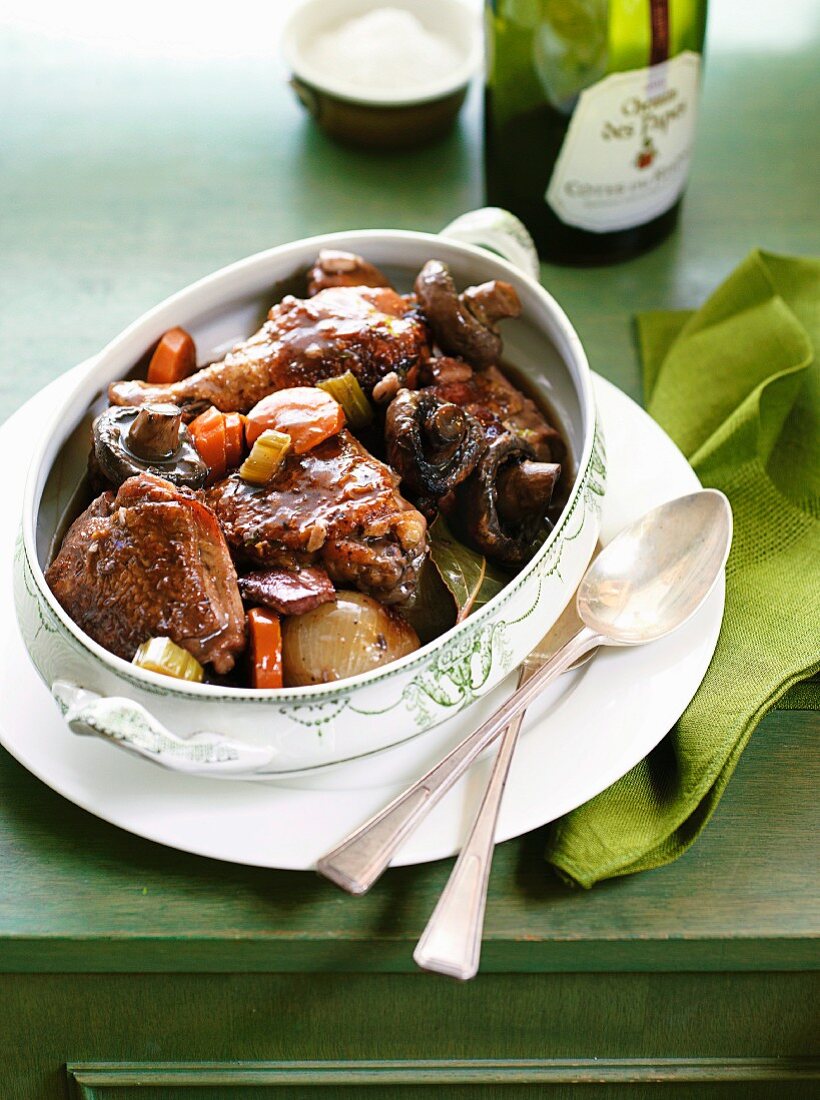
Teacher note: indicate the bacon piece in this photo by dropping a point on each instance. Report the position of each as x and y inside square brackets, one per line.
[287, 591]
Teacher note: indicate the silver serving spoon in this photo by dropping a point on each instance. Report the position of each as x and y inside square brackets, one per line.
[645, 583]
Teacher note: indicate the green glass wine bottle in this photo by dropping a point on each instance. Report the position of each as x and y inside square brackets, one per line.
[591, 108]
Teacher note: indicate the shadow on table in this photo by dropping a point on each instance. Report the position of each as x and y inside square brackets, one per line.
[345, 188]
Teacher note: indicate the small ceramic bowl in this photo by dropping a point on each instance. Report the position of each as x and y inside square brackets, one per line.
[382, 118]
[206, 729]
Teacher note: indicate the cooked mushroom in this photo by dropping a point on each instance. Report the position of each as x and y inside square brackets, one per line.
[333, 268]
[491, 302]
[154, 432]
[525, 488]
[150, 439]
[433, 444]
[465, 325]
[506, 500]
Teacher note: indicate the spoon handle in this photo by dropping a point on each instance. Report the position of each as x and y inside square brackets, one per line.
[451, 942]
[360, 859]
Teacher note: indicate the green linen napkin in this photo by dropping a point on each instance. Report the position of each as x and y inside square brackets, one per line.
[736, 384]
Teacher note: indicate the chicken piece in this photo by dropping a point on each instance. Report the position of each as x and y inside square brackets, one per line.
[151, 562]
[333, 268]
[335, 506]
[370, 331]
[497, 405]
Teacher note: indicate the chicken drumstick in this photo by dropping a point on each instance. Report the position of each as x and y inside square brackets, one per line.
[371, 331]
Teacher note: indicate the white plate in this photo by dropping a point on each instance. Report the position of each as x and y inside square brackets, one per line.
[583, 734]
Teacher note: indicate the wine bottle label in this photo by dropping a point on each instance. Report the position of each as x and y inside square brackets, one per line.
[626, 153]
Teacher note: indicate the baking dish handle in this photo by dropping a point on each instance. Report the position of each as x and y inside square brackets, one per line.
[130, 726]
[498, 231]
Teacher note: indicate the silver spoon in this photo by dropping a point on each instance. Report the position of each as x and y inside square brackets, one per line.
[645, 584]
[360, 859]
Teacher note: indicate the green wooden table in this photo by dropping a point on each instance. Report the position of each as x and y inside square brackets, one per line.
[130, 970]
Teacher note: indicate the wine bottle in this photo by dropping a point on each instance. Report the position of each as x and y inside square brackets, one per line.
[590, 118]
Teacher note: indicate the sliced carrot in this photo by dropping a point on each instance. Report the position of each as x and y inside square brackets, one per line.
[234, 439]
[308, 415]
[209, 436]
[174, 358]
[265, 632]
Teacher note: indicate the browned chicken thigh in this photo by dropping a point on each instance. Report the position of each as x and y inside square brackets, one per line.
[370, 331]
[334, 506]
[151, 562]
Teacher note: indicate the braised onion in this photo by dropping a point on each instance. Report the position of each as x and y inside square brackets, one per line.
[353, 634]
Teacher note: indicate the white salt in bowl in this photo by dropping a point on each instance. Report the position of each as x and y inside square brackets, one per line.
[388, 116]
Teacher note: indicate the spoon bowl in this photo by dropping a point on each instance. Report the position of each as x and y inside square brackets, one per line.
[654, 575]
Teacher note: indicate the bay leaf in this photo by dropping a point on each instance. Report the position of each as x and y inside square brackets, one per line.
[471, 580]
[432, 609]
